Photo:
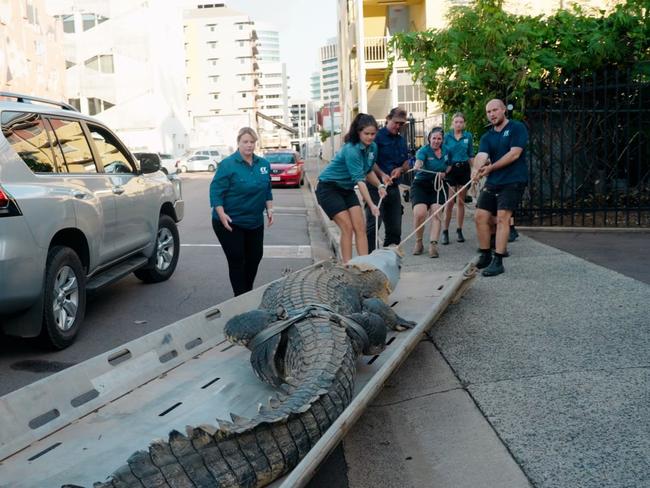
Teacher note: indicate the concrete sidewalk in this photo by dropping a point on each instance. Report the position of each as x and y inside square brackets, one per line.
[537, 377]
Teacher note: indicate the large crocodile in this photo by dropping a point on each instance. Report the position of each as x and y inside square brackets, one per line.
[304, 339]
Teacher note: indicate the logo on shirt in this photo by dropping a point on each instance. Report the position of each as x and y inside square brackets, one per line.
[465, 141]
[264, 170]
[506, 133]
[371, 156]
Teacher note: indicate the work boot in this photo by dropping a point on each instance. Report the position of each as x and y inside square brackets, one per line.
[445, 238]
[484, 259]
[495, 267]
[433, 249]
[513, 234]
[459, 233]
[419, 247]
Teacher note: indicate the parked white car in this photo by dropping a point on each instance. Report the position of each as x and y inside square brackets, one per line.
[203, 159]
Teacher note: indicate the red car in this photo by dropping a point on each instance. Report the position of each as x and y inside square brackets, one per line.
[286, 167]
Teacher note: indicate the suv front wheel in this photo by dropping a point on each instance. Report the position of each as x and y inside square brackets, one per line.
[64, 297]
[165, 257]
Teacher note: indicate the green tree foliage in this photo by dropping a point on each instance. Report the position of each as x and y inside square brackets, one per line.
[486, 53]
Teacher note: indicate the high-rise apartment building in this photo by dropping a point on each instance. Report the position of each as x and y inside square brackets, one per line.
[125, 66]
[314, 88]
[31, 58]
[329, 72]
[272, 91]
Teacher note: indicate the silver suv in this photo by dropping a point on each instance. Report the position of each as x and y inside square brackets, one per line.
[77, 213]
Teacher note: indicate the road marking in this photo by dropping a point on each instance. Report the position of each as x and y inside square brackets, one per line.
[273, 251]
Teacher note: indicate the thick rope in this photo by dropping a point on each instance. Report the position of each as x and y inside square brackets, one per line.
[435, 213]
[377, 225]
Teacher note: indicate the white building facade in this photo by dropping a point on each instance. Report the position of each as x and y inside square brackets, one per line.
[125, 66]
[222, 73]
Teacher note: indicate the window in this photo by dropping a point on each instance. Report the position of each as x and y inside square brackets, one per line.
[97, 105]
[213, 61]
[215, 95]
[214, 78]
[111, 153]
[75, 102]
[27, 135]
[68, 23]
[241, 61]
[72, 144]
[102, 63]
[88, 21]
[241, 43]
[212, 44]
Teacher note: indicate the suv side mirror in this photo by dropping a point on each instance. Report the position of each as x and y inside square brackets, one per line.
[149, 164]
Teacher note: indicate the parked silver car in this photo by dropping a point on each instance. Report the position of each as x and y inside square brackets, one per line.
[76, 213]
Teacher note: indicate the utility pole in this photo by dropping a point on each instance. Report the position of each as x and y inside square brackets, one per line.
[331, 105]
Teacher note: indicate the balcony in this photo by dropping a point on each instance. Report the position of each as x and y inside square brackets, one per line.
[376, 51]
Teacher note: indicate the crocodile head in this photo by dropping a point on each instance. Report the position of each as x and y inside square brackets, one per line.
[380, 269]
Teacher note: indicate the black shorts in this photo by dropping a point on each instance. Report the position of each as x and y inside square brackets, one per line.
[500, 197]
[423, 191]
[334, 199]
[459, 175]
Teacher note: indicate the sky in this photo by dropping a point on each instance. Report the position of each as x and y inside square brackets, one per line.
[304, 26]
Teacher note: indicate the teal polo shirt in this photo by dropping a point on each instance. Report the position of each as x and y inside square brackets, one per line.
[431, 162]
[242, 190]
[350, 165]
[459, 150]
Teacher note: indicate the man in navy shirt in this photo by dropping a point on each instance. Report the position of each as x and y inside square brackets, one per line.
[507, 175]
[392, 162]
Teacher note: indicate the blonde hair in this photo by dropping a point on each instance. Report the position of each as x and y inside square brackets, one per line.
[458, 114]
[246, 130]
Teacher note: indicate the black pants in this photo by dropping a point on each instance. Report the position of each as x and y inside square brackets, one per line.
[243, 249]
[390, 213]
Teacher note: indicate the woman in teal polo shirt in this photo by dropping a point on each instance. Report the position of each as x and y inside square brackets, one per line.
[460, 147]
[429, 190]
[351, 166]
[239, 193]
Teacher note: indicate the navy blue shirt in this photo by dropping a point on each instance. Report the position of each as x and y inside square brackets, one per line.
[392, 150]
[242, 190]
[350, 165]
[497, 144]
[460, 150]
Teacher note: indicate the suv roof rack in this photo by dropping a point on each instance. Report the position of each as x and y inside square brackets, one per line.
[29, 99]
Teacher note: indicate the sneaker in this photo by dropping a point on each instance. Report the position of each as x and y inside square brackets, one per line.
[460, 237]
[445, 238]
[495, 267]
[484, 260]
[419, 247]
[513, 234]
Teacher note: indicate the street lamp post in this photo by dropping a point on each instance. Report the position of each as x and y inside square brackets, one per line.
[331, 105]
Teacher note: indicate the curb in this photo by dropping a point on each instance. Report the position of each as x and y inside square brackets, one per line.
[583, 229]
[329, 227]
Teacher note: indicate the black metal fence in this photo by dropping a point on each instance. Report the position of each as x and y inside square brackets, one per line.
[589, 153]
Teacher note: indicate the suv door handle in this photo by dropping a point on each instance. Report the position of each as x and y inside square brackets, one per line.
[79, 194]
[118, 190]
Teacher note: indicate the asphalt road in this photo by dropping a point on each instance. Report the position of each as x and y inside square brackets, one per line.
[129, 309]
